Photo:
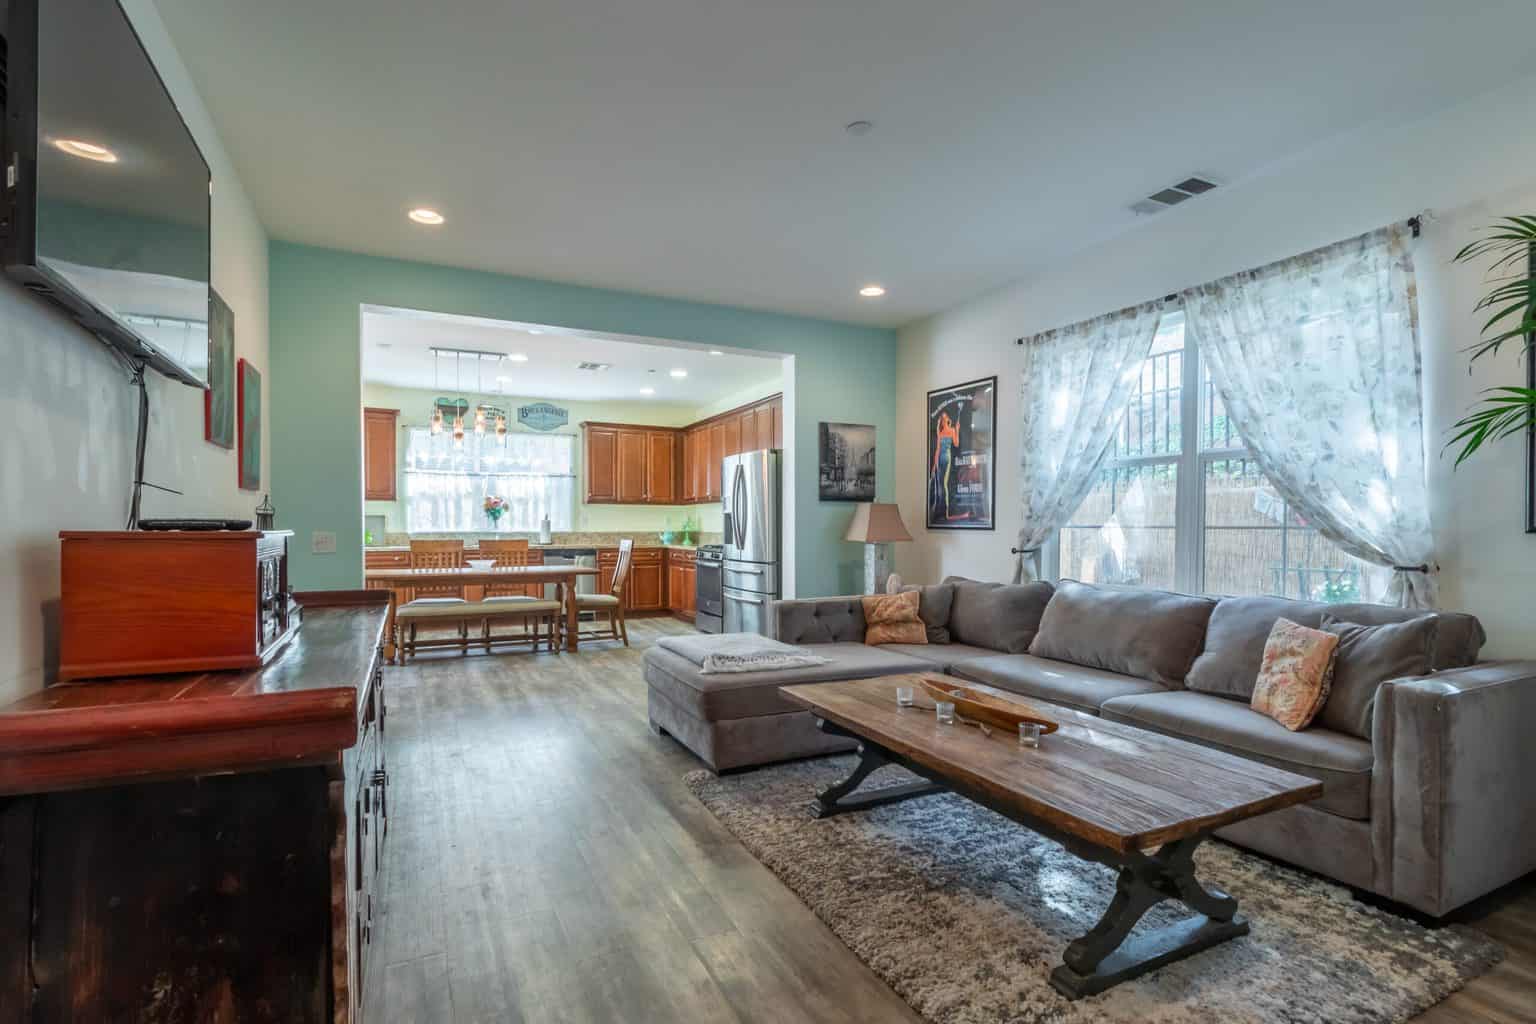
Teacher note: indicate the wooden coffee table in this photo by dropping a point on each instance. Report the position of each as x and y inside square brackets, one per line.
[1110, 793]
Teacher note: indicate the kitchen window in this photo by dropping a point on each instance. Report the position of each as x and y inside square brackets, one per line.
[446, 484]
[1180, 504]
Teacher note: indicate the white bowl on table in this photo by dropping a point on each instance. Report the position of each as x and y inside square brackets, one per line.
[479, 564]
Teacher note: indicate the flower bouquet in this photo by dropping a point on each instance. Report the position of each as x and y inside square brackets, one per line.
[494, 508]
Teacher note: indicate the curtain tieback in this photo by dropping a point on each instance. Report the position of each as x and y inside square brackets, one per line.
[1411, 568]
[1023, 551]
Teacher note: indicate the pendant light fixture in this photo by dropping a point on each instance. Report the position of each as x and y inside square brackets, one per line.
[436, 423]
[479, 409]
[458, 420]
[501, 429]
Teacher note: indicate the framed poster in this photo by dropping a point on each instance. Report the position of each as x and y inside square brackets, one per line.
[219, 399]
[961, 433]
[248, 414]
[847, 462]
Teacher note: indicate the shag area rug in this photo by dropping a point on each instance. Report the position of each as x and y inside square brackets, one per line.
[964, 914]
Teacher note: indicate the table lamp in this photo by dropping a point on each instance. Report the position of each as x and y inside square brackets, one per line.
[876, 525]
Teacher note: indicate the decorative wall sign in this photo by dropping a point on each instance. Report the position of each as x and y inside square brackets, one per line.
[961, 432]
[542, 416]
[219, 399]
[249, 414]
[847, 462]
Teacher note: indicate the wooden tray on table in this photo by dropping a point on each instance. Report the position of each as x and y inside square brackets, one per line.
[984, 707]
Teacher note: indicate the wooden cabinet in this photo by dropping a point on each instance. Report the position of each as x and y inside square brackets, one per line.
[646, 589]
[631, 464]
[600, 455]
[379, 436]
[682, 591]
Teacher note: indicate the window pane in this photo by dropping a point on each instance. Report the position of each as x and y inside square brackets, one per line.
[446, 484]
[1255, 544]
[1216, 429]
[1152, 424]
[1124, 530]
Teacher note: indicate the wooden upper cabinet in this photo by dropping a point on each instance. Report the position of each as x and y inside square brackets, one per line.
[732, 444]
[762, 423]
[379, 461]
[776, 412]
[601, 455]
[749, 438]
[712, 459]
[660, 469]
[632, 468]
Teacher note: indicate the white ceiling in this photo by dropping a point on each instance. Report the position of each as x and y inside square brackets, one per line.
[397, 351]
[695, 148]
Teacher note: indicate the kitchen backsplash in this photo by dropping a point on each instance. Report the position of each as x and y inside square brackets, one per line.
[567, 538]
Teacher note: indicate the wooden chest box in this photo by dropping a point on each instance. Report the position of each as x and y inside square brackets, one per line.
[139, 603]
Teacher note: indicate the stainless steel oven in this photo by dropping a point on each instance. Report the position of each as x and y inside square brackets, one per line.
[708, 592]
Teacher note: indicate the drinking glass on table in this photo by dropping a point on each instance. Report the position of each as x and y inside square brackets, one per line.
[944, 711]
[904, 696]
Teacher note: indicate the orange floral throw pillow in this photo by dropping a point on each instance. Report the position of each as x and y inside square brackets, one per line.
[893, 619]
[1296, 674]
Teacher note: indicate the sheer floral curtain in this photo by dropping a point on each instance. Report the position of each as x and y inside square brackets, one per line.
[1075, 384]
[445, 484]
[1317, 360]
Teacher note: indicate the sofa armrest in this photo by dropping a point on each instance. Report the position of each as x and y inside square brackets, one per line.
[1455, 804]
[819, 620]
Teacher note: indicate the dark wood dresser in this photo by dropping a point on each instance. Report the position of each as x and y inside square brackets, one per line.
[181, 849]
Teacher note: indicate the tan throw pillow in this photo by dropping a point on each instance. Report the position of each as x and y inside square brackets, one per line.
[1295, 675]
[893, 619]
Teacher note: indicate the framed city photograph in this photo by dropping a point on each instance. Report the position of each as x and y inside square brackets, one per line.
[960, 456]
[847, 462]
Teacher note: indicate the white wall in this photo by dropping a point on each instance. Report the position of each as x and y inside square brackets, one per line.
[1466, 164]
[67, 459]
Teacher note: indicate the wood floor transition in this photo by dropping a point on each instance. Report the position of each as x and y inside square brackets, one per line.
[545, 862]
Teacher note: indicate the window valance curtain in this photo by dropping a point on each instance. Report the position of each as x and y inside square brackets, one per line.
[1317, 361]
[1075, 385]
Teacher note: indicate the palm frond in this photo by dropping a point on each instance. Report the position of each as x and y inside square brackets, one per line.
[1504, 412]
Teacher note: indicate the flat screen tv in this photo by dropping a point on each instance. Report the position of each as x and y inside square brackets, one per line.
[106, 195]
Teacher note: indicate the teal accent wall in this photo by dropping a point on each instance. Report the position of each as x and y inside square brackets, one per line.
[841, 372]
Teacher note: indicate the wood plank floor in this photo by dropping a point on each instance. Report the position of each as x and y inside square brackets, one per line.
[545, 862]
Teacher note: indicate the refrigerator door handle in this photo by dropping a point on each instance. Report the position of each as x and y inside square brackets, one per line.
[738, 514]
[748, 600]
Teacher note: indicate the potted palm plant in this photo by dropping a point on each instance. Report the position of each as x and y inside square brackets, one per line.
[1511, 309]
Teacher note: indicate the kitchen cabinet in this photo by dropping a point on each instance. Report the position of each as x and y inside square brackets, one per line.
[682, 584]
[776, 413]
[632, 467]
[732, 443]
[661, 467]
[645, 590]
[379, 456]
[600, 457]
[762, 424]
[712, 460]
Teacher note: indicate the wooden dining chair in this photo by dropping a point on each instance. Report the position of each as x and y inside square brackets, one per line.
[432, 604]
[437, 554]
[514, 602]
[610, 604]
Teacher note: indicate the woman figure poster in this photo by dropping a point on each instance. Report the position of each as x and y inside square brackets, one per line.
[961, 423]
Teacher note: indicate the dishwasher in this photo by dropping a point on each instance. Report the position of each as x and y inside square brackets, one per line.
[583, 557]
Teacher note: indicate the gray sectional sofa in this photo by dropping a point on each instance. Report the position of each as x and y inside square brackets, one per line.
[1429, 778]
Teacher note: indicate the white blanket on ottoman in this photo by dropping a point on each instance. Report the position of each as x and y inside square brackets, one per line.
[739, 652]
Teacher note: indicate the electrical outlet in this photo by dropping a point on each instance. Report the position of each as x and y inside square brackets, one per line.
[322, 542]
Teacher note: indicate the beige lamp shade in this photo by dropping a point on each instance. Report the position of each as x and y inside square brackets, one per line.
[876, 523]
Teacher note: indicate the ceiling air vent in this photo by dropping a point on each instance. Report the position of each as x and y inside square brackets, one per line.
[594, 366]
[1173, 195]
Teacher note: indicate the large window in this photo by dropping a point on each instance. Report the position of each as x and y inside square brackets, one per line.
[446, 484]
[1181, 505]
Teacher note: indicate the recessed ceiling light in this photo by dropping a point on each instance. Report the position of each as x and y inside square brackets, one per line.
[517, 357]
[423, 215]
[872, 291]
[533, 331]
[679, 373]
[86, 150]
[647, 391]
[716, 352]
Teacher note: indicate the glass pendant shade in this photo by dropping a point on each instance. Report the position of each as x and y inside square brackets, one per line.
[480, 421]
[437, 420]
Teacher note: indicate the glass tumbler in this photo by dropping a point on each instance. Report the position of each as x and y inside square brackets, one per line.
[1029, 734]
[904, 696]
[944, 711]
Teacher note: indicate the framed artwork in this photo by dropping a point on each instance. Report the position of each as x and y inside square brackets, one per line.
[249, 415]
[961, 433]
[847, 462]
[219, 399]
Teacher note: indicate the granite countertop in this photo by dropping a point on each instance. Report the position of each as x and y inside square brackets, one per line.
[401, 542]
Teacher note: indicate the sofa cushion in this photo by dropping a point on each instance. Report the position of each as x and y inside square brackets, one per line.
[1458, 636]
[1151, 634]
[940, 657]
[745, 694]
[1369, 656]
[1235, 638]
[822, 620]
[892, 619]
[935, 603]
[1296, 675]
[1002, 616]
[1060, 682]
[1341, 763]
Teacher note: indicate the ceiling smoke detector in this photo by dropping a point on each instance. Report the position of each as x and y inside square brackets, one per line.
[1173, 195]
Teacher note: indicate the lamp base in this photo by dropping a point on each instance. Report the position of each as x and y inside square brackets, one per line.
[877, 567]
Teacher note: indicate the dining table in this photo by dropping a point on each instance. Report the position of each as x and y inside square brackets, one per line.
[397, 579]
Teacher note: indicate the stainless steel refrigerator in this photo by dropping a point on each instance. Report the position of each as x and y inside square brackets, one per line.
[753, 517]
